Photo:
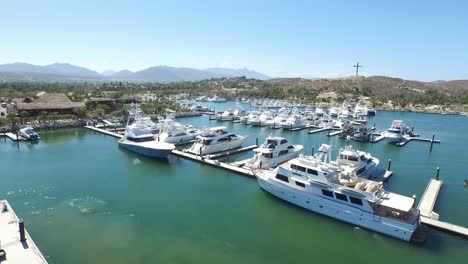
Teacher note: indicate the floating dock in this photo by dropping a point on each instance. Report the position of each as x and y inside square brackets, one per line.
[431, 218]
[18, 246]
[230, 152]
[103, 131]
[214, 163]
[334, 133]
[319, 130]
[11, 136]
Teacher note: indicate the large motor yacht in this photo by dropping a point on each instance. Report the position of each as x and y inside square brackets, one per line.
[141, 140]
[363, 202]
[273, 152]
[216, 139]
[178, 133]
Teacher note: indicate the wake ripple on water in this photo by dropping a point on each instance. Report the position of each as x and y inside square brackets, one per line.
[87, 204]
[136, 161]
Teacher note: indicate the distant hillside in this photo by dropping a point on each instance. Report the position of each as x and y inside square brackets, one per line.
[63, 72]
[375, 85]
[250, 74]
[52, 69]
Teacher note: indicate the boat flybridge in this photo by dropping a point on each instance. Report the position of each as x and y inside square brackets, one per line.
[320, 188]
[273, 152]
[216, 139]
[174, 132]
[294, 121]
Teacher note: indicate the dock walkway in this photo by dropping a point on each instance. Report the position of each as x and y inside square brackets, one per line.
[16, 251]
[431, 218]
[11, 136]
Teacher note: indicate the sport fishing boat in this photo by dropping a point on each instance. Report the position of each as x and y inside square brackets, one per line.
[227, 115]
[363, 203]
[273, 152]
[142, 141]
[216, 139]
[277, 121]
[28, 133]
[262, 119]
[294, 121]
[395, 134]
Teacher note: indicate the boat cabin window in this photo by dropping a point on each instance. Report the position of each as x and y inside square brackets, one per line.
[282, 177]
[355, 200]
[206, 142]
[341, 197]
[353, 158]
[267, 155]
[300, 184]
[361, 170]
[224, 139]
[283, 152]
[327, 193]
[313, 172]
[299, 168]
[271, 142]
[141, 139]
[284, 141]
[180, 134]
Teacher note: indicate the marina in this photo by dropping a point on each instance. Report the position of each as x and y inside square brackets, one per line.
[217, 169]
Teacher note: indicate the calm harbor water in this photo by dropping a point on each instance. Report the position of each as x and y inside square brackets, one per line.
[84, 200]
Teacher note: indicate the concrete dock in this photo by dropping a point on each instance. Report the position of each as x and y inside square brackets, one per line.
[103, 131]
[431, 218]
[17, 249]
[318, 130]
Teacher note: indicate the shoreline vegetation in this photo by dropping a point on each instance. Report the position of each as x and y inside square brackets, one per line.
[381, 93]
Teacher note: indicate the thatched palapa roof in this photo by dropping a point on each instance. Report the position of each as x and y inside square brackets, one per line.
[49, 101]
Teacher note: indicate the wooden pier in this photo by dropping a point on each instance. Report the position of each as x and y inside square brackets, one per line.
[431, 218]
[319, 130]
[334, 133]
[16, 242]
[11, 136]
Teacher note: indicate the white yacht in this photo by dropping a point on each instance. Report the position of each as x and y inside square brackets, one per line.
[177, 133]
[262, 119]
[216, 139]
[273, 152]
[217, 99]
[28, 133]
[396, 132]
[363, 203]
[277, 121]
[333, 112]
[227, 115]
[294, 121]
[202, 99]
[319, 111]
[141, 140]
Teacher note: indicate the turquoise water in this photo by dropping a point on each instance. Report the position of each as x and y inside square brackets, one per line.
[84, 200]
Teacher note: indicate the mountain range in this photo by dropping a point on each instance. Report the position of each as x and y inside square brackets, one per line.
[69, 72]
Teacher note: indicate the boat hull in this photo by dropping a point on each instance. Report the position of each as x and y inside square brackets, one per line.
[145, 151]
[332, 209]
[270, 163]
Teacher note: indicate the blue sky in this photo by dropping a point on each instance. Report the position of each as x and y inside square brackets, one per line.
[420, 40]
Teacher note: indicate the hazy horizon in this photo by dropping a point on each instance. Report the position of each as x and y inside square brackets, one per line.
[413, 40]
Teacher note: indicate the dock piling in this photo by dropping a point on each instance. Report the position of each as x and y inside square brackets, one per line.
[437, 174]
[432, 142]
[389, 164]
[256, 141]
[313, 150]
[21, 230]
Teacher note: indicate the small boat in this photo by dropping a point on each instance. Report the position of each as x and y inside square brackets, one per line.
[177, 133]
[28, 133]
[216, 139]
[217, 99]
[227, 115]
[273, 152]
[277, 121]
[333, 112]
[142, 141]
[319, 111]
